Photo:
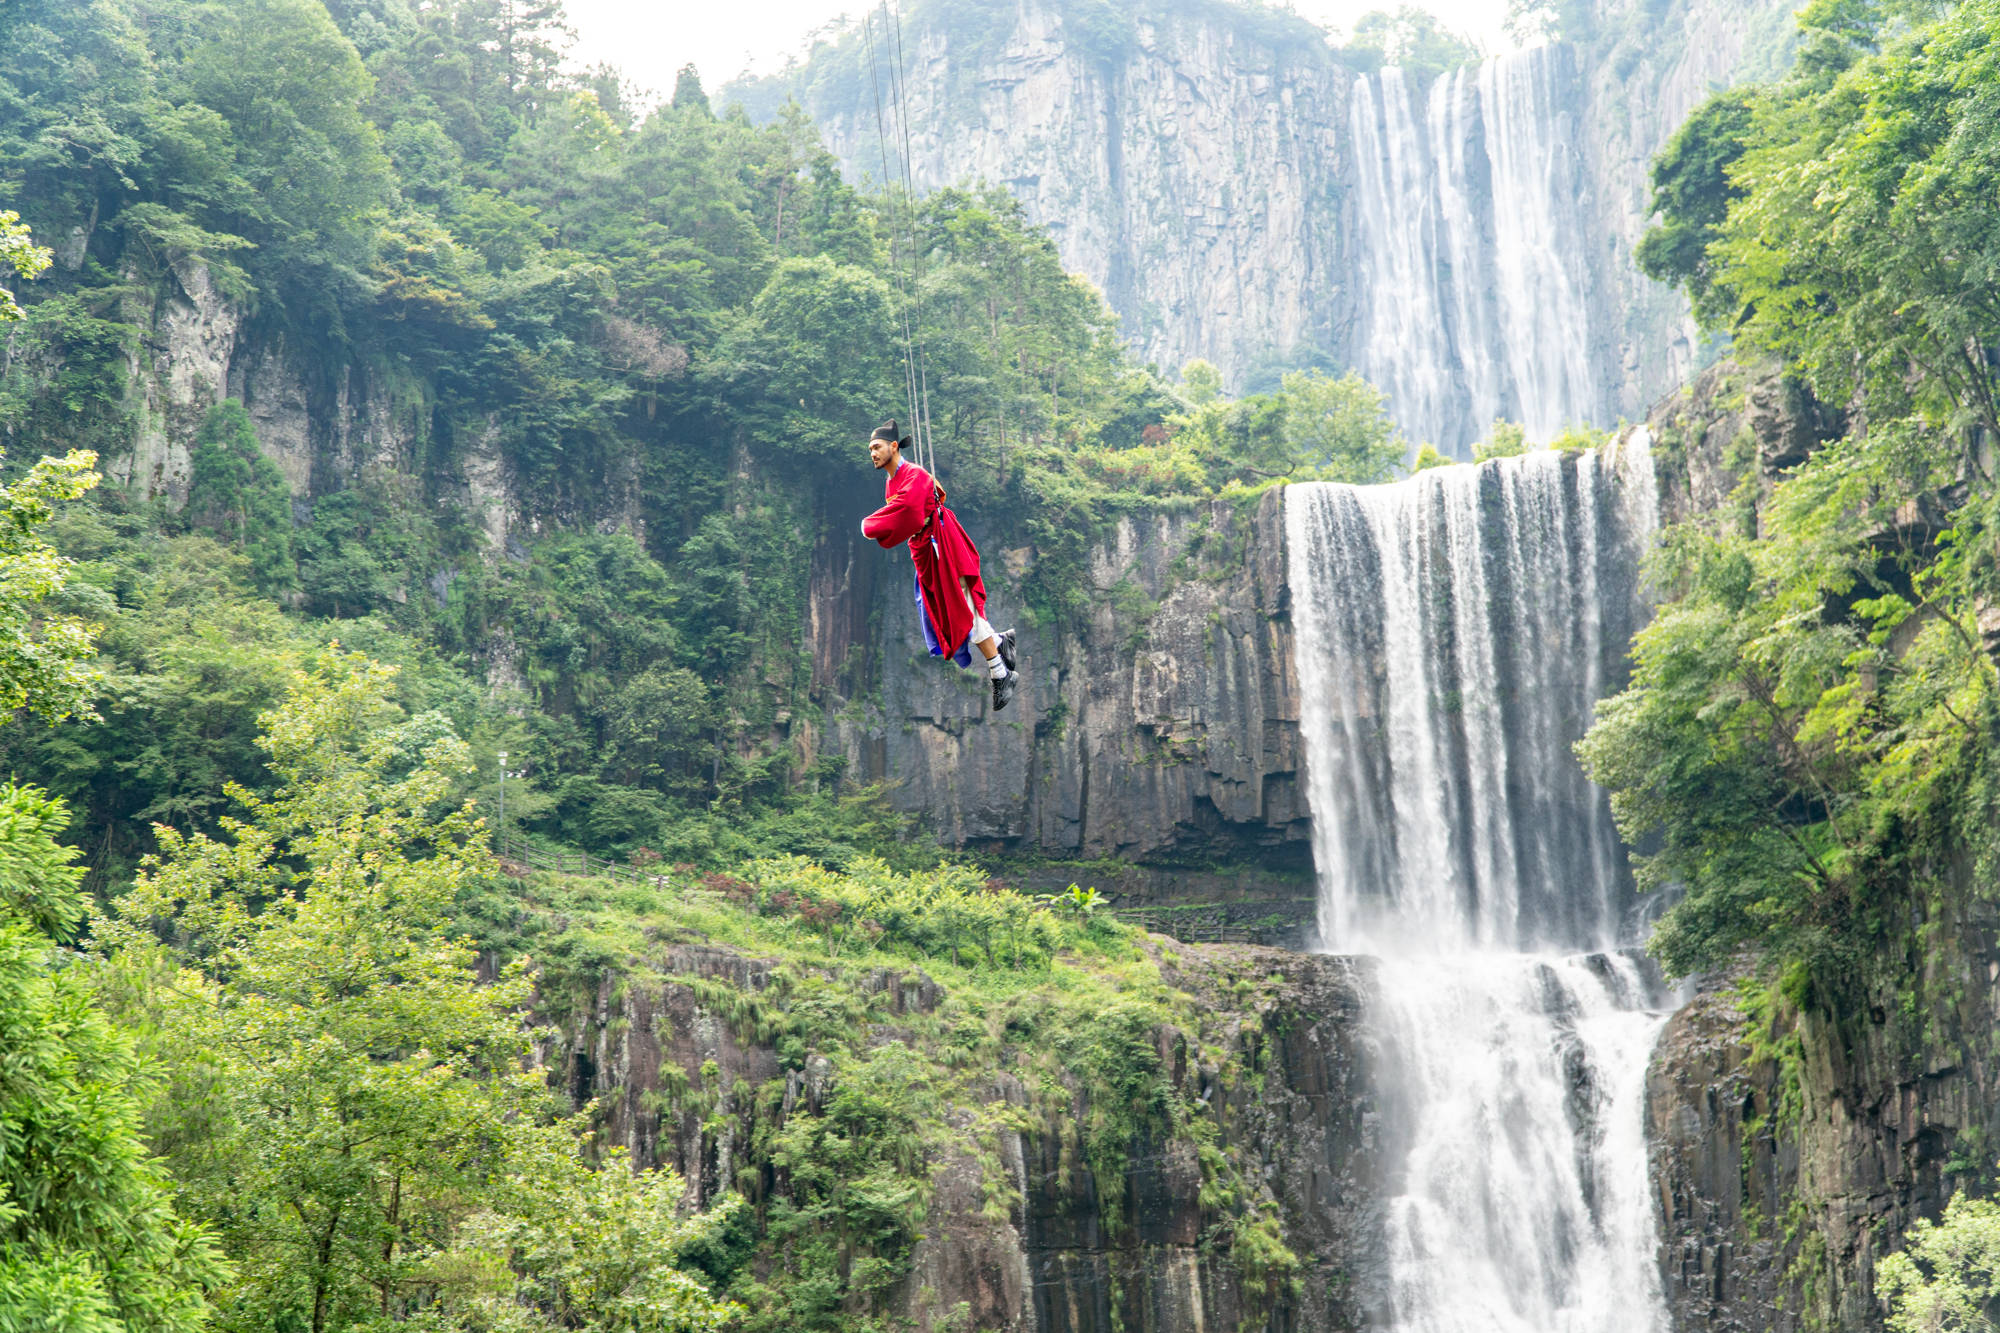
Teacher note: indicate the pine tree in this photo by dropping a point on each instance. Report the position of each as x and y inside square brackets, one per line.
[688, 92]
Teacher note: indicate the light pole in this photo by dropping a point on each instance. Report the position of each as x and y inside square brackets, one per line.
[503, 803]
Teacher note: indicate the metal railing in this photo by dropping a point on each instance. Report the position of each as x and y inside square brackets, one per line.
[1187, 928]
[518, 856]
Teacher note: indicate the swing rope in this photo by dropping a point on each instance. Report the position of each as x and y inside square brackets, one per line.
[916, 367]
[895, 260]
[902, 87]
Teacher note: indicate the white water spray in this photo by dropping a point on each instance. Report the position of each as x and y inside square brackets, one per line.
[1454, 633]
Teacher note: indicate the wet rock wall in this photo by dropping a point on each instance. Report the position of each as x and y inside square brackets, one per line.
[1282, 1070]
[1792, 1152]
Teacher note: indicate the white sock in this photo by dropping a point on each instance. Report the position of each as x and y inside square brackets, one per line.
[997, 668]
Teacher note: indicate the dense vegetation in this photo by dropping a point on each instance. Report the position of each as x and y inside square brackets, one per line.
[654, 335]
[538, 400]
[351, 1131]
[1810, 729]
[1807, 751]
[611, 363]
[1082, 1020]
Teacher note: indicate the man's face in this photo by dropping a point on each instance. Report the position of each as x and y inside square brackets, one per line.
[882, 453]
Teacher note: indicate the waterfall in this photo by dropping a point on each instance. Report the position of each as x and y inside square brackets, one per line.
[1454, 632]
[1473, 246]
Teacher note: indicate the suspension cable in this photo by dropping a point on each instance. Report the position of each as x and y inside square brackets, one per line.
[901, 90]
[910, 388]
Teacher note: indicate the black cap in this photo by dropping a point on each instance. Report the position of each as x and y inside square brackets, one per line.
[887, 431]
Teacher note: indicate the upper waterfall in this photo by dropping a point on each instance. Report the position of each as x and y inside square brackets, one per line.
[1241, 194]
[1476, 240]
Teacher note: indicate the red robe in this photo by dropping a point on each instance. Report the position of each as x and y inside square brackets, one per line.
[942, 553]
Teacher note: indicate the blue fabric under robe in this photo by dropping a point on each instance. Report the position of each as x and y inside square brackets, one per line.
[964, 654]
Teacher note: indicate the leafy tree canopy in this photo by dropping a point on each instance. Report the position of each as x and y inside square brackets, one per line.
[89, 1240]
[1949, 1277]
[1409, 38]
[236, 492]
[1692, 192]
[1812, 713]
[346, 1102]
[18, 252]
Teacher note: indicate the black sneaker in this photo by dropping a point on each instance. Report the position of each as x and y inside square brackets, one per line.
[1003, 690]
[1007, 651]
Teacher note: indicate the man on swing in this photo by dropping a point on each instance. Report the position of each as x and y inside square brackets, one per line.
[951, 597]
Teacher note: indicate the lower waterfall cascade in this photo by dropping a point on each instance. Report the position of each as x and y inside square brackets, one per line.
[1454, 632]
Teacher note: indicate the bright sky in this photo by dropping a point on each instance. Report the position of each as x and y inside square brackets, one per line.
[651, 39]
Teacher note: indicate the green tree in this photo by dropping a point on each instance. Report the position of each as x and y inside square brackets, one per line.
[859, 1194]
[1816, 702]
[1339, 429]
[190, 656]
[824, 354]
[1692, 193]
[237, 492]
[507, 234]
[19, 252]
[1948, 1278]
[688, 92]
[1800, 711]
[290, 89]
[1504, 440]
[44, 657]
[339, 1076]
[1863, 248]
[1226, 439]
[1410, 38]
[1201, 383]
[347, 1102]
[598, 1248]
[88, 1239]
[79, 101]
[658, 730]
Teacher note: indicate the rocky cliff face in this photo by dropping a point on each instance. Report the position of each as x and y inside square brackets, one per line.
[1190, 163]
[323, 426]
[1167, 724]
[1648, 67]
[1163, 729]
[1279, 1060]
[1796, 1136]
[1791, 1153]
[1240, 194]
[1723, 440]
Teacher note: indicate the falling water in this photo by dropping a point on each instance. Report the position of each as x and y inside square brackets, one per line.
[1473, 249]
[1454, 632]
